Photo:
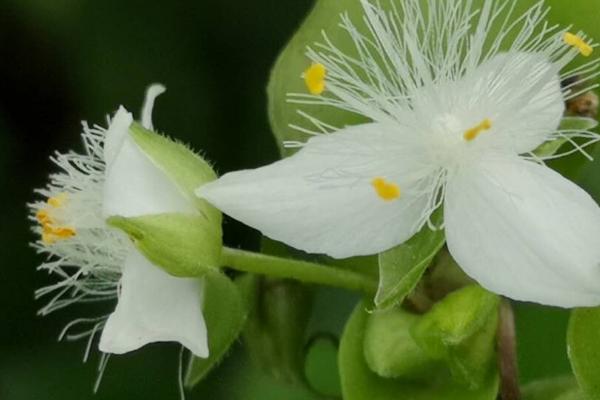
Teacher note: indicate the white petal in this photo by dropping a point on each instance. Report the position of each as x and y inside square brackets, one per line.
[521, 94]
[151, 94]
[321, 200]
[134, 186]
[155, 307]
[115, 135]
[524, 231]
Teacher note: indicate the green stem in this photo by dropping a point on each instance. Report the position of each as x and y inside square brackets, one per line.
[304, 271]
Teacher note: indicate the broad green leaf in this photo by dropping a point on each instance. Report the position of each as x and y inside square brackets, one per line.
[461, 330]
[567, 124]
[562, 388]
[390, 350]
[225, 312]
[286, 76]
[187, 169]
[360, 383]
[401, 268]
[584, 349]
[181, 244]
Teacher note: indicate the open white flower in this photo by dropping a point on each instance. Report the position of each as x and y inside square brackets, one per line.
[95, 262]
[456, 116]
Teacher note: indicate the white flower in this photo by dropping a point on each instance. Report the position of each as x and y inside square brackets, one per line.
[456, 115]
[95, 262]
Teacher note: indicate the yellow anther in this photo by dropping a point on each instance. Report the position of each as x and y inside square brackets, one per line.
[52, 234]
[386, 190]
[576, 41]
[43, 217]
[314, 77]
[58, 200]
[472, 133]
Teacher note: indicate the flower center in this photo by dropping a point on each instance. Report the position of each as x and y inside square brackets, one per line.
[387, 191]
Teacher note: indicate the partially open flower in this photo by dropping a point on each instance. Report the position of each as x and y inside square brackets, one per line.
[456, 113]
[96, 262]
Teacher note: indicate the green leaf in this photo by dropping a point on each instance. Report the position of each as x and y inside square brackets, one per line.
[562, 388]
[183, 245]
[187, 169]
[225, 312]
[390, 350]
[401, 268]
[584, 349]
[461, 330]
[287, 72]
[566, 124]
[360, 383]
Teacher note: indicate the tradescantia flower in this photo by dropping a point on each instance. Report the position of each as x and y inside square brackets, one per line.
[455, 114]
[95, 262]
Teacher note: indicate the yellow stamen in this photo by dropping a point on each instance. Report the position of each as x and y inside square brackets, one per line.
[52, 234]
[386, 190]
[314, 77]
[58, 200]
[472, 133]
[43, 217]
[576, 41]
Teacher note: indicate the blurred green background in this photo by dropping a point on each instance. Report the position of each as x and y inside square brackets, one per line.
[66, 60]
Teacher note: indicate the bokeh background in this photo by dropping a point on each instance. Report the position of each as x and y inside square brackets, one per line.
[62, 61]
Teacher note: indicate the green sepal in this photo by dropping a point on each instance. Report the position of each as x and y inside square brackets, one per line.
[184, 245]
[566, 124]
[225, 313]
[184, 167]
[561, 388]
[461, 330]
[390, 350]
[584, 349]
[401, 268]
[359, 382]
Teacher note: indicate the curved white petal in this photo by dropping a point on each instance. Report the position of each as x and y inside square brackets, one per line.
[522, 96]
[116, 134]
[524, 231]
[155, 307]
[134, 186]
[321, 200]
[151, 94]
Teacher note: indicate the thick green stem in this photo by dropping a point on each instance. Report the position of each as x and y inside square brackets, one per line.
[304, 271]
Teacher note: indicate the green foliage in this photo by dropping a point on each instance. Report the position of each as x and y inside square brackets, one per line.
[584, 349]
[321, 360]
[276, 332]
[292, 62]
[359, 382]
[183, 245]
[390, 350]
[401, 268]
[187, 169]
[563, 388]
[225, 312]
[461, 330]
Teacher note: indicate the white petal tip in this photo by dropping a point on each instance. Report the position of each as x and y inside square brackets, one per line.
[152, 93]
